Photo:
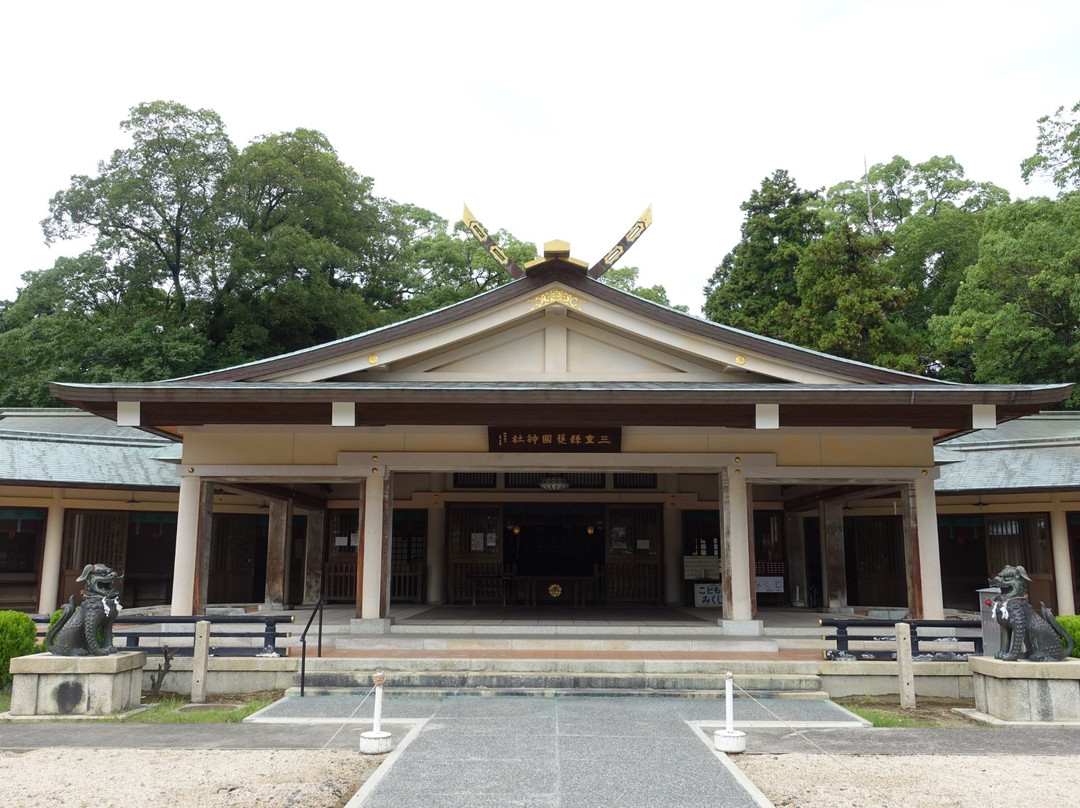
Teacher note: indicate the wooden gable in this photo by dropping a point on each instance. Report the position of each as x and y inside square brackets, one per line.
[558, 325]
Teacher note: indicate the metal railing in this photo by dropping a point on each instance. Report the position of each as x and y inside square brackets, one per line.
[318, 609]
[132, 637]
[843, 638]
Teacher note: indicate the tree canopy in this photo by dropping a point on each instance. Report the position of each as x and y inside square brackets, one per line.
[626, 279]
[206, 255]
[915, 266]
[1057, 150]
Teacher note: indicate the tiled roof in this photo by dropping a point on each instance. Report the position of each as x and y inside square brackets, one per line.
[69, 447]
[1037, 452]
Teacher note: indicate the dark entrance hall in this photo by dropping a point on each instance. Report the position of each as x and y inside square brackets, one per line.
[544, 540]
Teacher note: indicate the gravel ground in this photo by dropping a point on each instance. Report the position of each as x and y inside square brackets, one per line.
[279, 778]
[902, 781]
[328, 779]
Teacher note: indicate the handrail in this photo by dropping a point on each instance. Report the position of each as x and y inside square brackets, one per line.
[843, 638]
[317, 608]
[131, 637]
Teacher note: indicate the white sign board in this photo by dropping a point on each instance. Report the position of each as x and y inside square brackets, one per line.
[770, 583]
[709, 594]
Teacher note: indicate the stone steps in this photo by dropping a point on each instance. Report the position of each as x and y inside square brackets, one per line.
[563, 657]
[515, 642]
[613, 676]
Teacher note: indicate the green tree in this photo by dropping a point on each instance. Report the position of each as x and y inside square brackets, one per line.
[754, 288]
[207, 256]
[1016, 316]
[304, 252]
[848, 303]
[1057, 149]
[449, 267]
[154, 205]
[76, 322]
[931, 218]
[626, 279]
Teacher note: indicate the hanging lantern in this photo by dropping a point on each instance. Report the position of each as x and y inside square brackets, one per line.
[554, 483]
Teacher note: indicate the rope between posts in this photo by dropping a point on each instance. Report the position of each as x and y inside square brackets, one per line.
[350, 718]
[838, 760]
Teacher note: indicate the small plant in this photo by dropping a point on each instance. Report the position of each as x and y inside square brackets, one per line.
[40, 648]
[1071, 623]
[18, 636]
[163, 669]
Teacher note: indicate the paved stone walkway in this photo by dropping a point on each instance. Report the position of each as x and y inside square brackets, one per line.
[564, 751]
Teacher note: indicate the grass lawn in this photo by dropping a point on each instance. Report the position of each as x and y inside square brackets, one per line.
[885, 711]
[166, 709]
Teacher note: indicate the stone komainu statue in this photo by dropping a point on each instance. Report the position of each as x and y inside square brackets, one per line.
[75, 633]
[1025, 633]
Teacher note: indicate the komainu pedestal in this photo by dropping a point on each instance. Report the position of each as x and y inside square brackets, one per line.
[46, 684]
[1027, 691]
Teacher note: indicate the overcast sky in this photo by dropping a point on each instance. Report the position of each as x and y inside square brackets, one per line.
[553, 120]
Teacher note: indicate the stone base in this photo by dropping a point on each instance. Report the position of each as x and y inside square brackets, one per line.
[742, 628]
[375, 743]
[45, 684]
[1027, 691]
[370, 625]
[729, 741]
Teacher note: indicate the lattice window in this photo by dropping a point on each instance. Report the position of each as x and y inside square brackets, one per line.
[95, 538]
[635, 480]
[531, 479]
[474, 479]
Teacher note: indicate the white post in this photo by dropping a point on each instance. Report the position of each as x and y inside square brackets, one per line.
[729, 707]
[200, 662]
[904, 663]
[929, 551]
[187, 543]
[729, 739]
[735, 556]
[375, 741]
[372, 547]
[50, 561]
[1059, 542]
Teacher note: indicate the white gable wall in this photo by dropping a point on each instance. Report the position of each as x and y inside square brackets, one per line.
[557, 336]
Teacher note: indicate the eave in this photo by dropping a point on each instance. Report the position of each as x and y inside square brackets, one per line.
[943, 408]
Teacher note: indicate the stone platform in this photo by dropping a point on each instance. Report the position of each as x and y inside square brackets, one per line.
[1027, 691]
[45, 684]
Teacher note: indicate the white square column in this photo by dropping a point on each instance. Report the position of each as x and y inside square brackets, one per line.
[735, 554]
[374, 572]
[187, 544]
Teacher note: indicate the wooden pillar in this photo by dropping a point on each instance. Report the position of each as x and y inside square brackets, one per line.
[203, 546]
[673, 545]
[1063, 571]
[387, 542]
[833, 564]
[911, 550]
[371, 571]
[314, 543]
[277, 551]
[49, 591]
[735, 554]
[187, 541]
[751, 550]
[795, 542]
[435, 557]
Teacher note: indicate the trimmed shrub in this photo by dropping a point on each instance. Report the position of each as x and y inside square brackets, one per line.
[1071, 623]
[18, 636]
